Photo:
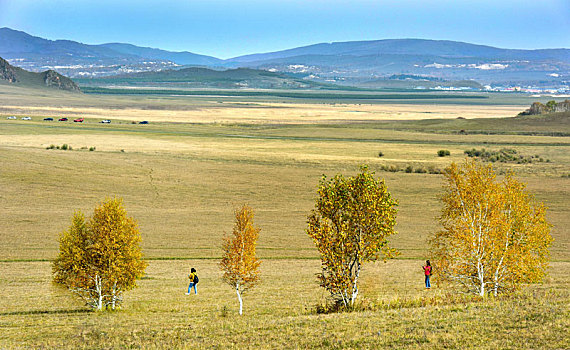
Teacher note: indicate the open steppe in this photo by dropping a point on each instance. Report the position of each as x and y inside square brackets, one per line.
[199, 157]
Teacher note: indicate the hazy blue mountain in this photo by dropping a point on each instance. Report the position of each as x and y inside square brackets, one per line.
[14, 42]
[441, 48]
[348, 63]
[359, 62]
[184, 58]
[76, 59]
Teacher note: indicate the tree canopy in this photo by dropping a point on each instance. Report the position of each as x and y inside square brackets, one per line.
[494, 235]
[100, 257]
[352, 219]
[239, 262]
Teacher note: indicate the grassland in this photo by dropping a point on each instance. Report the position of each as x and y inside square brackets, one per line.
[182, 175]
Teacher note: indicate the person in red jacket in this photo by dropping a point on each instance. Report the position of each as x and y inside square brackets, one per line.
[427, 272]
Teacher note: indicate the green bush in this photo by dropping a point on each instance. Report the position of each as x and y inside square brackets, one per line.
[380, 154]
[443, 153]
[504, 155]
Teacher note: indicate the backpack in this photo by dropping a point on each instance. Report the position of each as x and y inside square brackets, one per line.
[196, 279]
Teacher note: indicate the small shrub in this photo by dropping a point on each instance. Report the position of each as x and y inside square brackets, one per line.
[443, 153]
[64, 147]
[420, 170]
[380, 154]
[91, 149]
[52, 146]
[331, 306]
[409, 169]
[432, 170]
[224, 312]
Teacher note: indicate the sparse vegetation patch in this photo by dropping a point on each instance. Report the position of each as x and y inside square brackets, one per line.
[443, 153]
[504, 155]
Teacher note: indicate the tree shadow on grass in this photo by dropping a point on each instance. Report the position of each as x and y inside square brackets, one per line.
[47, 312]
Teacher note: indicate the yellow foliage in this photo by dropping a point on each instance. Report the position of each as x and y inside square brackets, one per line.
[494, 235]
[239, 263]
[100, 258]
[350, 225]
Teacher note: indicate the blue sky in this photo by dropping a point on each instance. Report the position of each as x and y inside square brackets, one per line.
[228, 28]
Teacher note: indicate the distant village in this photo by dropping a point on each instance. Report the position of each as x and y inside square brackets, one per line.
[565, 89]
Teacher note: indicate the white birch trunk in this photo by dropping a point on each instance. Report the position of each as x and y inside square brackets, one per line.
[99, 291]
[481, 275]
[114, 296]
[355, 286]
[239, 298]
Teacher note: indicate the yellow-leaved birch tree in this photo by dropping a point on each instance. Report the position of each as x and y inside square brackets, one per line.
[100, 257]
[494, 236]
[239, 262]
[350, 225]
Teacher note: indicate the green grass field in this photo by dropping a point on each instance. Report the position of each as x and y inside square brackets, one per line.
[182, 180]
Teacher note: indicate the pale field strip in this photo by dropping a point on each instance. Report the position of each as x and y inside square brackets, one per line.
[274, 112]
[267, 149]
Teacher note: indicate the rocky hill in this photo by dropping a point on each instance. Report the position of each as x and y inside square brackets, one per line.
[7, 72]
[48, 79]
[550, 107]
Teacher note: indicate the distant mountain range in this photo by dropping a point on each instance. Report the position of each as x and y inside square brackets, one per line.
[49, 79]
[358, 63]
[76, 59]
[203, 78]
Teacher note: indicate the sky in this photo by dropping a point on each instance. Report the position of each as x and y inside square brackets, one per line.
[229, 28]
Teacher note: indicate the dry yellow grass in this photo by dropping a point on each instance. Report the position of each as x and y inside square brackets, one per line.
[279, 313]
[182, 182]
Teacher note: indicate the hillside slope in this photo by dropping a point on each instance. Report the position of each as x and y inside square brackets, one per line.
[48, 79]
[359, 61]
[356, 63]
[77, 59]
[442, 48]
[196, 77]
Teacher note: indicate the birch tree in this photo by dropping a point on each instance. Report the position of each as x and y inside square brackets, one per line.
[494, 235]
[100, 257]
[239, 262]
[352, 219]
